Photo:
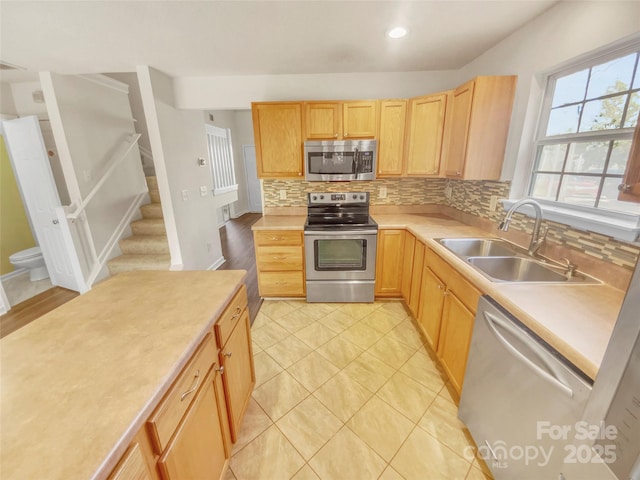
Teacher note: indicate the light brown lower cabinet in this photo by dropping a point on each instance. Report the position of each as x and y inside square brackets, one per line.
[189, 435]
[197, 450]
[389, 259]
[448, 304]
[239, 374]
[280, 263]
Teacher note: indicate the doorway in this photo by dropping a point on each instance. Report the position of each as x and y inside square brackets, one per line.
[253, 183]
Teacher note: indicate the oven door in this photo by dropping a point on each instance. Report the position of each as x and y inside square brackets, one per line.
[340, 255]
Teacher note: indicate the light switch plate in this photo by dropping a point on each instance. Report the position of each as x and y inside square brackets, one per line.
[383, 192]
[185, 195]
[204, 191]
[448, 192]
[283, 194]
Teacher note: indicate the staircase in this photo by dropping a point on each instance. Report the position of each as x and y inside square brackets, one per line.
[147, 248]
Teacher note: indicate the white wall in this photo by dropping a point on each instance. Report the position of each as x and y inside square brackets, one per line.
[177, 140]
[22, 93]
[91, 120]
[7, 105]
[131, 79]
[235, 92]
[241, 125]
[566, 31]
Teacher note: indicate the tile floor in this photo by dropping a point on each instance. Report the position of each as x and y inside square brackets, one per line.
[348, 391]
[21, 288]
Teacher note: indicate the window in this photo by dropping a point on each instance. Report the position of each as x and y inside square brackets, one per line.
[584, 137]
[221, 156]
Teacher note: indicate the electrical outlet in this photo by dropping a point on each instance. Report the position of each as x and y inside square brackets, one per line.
[283, 194]
[493, 203]
[383, 192]
[185, 195]
[448, 192]
[204, 191]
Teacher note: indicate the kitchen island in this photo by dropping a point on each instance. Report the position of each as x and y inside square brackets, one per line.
[79, 383]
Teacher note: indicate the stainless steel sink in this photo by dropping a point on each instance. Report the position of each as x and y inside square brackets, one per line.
[515, 269]
[478, 247]
[501, 261]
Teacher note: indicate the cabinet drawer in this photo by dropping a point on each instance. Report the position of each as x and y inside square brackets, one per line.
[281, 284]
[165, 419]
[279, 258]
[229, 318]
[281, 237]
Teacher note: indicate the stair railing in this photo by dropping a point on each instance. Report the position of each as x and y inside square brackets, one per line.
[99, 259]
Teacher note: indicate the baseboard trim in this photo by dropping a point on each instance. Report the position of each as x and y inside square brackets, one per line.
[215, 265]
[15, 273]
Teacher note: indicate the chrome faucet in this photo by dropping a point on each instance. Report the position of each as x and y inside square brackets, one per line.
[537, 236]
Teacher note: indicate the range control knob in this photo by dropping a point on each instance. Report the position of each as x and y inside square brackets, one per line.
[314, 198]
[321, 197]
[361, 197]
[355, 196]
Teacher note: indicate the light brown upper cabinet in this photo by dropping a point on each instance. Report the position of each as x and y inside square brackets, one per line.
[478, 128]
[277, 129]
[393, 115]
[425, 134]
[340, 120]
[630, 186]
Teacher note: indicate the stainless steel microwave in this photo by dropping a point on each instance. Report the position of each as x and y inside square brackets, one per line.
[340, 160]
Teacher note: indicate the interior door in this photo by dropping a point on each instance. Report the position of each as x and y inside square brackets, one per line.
[30, 164]
[253, 183]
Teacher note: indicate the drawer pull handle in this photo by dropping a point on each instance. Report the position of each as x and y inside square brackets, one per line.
[228, 354]
[278, 258]
[277, 238]
[221, 369]
[237, 314]
[193, 388]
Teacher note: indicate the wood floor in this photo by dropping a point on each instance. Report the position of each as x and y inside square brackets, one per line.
[27, 311]
[237, 247]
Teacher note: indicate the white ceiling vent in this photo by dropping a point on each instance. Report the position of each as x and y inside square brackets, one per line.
[9, 66]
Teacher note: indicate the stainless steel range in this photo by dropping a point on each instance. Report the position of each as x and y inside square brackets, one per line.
[340, 241]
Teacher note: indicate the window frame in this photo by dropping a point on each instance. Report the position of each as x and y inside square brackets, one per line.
[621, 225]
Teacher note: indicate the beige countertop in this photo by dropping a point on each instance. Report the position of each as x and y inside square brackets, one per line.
[280, 222]
[577, 320]
[78, 383]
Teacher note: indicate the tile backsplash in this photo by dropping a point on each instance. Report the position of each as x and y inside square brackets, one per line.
[400, 191]
[471, 197]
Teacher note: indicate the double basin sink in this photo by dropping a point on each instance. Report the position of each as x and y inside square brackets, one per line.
[502, 261]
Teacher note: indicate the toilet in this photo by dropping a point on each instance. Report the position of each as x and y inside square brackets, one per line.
[32, 260]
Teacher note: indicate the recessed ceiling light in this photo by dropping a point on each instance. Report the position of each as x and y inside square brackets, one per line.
[397, 32]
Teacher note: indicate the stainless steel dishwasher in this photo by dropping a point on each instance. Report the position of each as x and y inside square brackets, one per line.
[521, 400]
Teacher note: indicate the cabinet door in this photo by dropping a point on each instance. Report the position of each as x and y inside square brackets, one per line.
[407, 265]
[416, 278]
[239, 375]
[430, 309]
[455, 337]
[359, 119]
[277, 128]
[132, 466]
[390, 256]
[459, 129]
[426, 128]
[393, 116]
[197, 449]
[323, 120]
[630, 186]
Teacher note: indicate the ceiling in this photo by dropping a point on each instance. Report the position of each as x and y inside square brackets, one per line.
[209, 38]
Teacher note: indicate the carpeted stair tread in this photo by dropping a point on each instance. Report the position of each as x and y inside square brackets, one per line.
[148, 226]
[144, 244]
[151, 210]
[129, 262]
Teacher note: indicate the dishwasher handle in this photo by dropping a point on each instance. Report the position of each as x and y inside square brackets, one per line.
[492, 320]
